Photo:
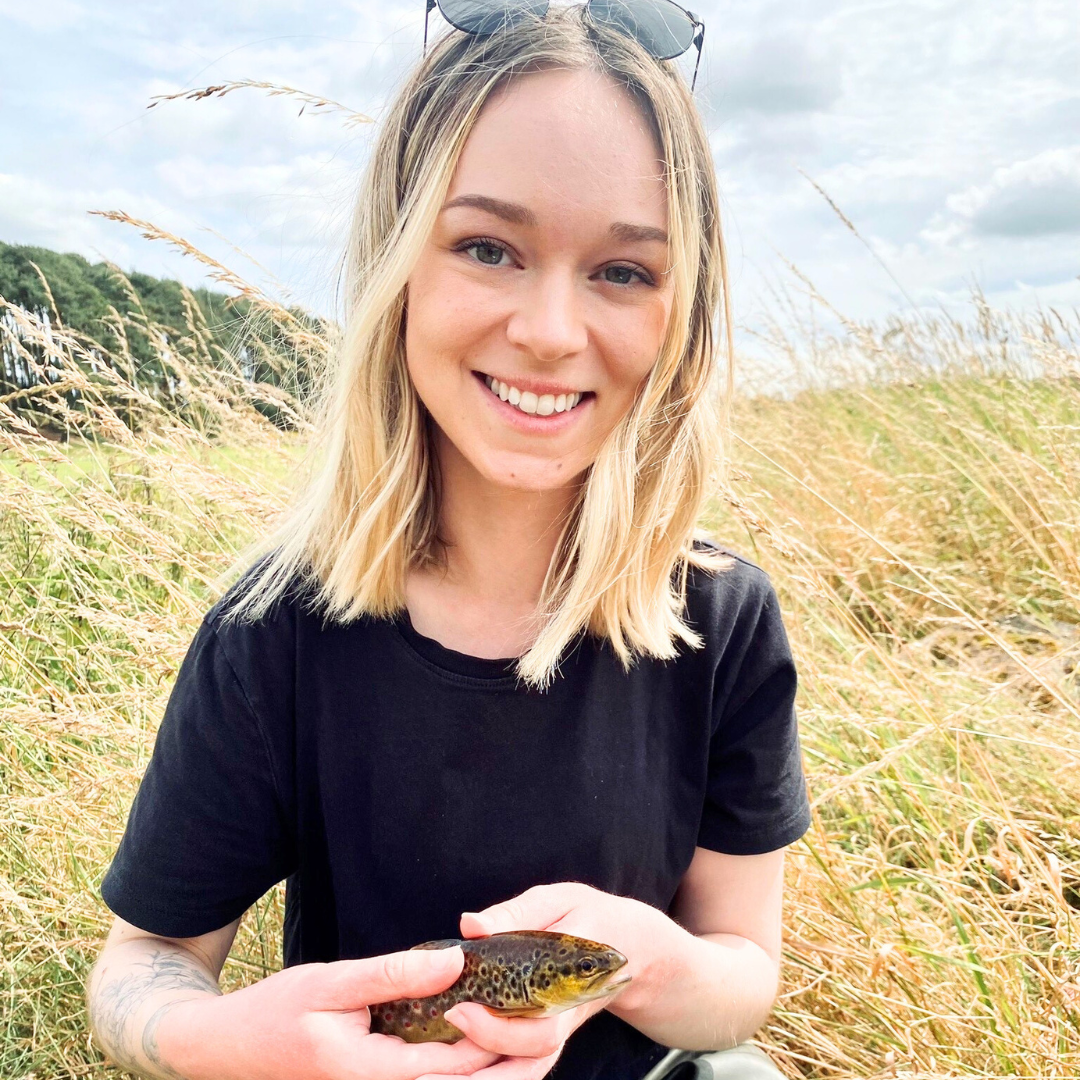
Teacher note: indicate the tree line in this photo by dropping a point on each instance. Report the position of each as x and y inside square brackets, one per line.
[141, 326]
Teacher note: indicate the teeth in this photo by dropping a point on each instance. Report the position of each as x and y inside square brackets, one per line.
[528, 402]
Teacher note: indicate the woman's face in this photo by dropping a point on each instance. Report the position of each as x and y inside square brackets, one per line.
[539, 302]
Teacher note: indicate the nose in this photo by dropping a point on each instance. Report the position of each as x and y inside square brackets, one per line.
[547, 320]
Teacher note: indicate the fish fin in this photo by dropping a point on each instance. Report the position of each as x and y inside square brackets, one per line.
[442, 943]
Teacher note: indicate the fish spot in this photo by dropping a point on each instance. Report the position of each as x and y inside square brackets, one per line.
[500, 960]
[565, 969]
[433, 1011]
[487, 993]
[388, 1016]
[562, 951]
[483, 969]
[536, 954]
[499, 1002]
[547, 983]
[416, 1006]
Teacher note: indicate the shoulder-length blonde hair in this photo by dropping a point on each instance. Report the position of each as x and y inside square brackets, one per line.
[369, 510]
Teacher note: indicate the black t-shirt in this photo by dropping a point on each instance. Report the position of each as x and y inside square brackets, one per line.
[396, 783]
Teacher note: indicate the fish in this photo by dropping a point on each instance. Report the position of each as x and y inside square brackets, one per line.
[519, 973]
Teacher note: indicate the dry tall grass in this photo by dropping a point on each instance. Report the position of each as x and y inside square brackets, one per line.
[916, 505]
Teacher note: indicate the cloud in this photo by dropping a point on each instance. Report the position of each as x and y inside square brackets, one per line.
[32, 212]
[775, 72]
[937, 128]
[770, 70]
[54, 16]
[287, 204]
[1036, 197]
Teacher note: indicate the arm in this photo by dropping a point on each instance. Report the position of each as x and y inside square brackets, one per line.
[714, 981]
[156, 1009]
[707, 984]
[138, 979]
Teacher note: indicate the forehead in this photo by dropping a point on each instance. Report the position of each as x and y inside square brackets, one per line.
[572, 146]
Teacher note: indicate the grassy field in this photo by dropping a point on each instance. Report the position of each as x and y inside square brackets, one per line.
[916, 502]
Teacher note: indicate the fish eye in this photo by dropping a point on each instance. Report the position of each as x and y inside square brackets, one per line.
[587, 965]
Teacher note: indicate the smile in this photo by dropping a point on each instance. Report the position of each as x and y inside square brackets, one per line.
[533, 404]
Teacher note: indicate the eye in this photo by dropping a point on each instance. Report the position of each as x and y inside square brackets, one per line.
[586, 966]
[488, 252]
[629, 272]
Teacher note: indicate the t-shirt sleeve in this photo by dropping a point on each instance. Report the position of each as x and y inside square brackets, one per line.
[208, 832]
[756, 797]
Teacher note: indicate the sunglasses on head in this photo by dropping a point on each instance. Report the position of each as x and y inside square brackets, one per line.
[661, 27]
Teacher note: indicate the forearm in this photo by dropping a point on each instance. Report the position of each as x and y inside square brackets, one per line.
[133, 988]
[707, 993]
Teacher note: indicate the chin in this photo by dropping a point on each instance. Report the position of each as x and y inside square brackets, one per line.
[531, 475]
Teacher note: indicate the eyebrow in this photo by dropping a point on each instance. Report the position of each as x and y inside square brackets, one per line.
[517, 214]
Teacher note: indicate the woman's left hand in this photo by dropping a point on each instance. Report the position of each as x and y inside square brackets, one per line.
[532, 1046]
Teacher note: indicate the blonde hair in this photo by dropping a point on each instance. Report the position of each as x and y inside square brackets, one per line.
[369, 511]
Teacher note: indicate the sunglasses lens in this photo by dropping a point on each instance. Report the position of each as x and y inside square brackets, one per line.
[486, 16]
[663, 28]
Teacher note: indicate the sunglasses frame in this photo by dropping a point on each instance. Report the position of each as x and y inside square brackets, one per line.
[697, 41]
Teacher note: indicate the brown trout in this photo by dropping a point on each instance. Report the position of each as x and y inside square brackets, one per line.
[521, 973]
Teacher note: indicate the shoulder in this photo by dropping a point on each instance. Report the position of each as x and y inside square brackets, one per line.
[256, 624]
[261, 602]
[731, 582]
[730, 602]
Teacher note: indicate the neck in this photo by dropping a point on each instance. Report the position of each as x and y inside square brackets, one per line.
[500, 540]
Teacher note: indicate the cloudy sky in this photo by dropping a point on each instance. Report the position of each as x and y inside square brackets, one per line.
[948, 132]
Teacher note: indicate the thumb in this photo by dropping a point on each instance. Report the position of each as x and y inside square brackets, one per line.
[413, 973]
[535, 909]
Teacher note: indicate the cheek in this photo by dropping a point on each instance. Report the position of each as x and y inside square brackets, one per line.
[445, 316]
[655, 324]
[426, 310]
[430, 325]
[635, 348]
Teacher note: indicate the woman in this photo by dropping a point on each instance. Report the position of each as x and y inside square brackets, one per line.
[484, 679]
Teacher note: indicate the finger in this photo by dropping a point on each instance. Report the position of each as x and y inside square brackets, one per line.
[516, 1035]
[352, 984]
[391, 1057]
[511, 1068]
[535, 909]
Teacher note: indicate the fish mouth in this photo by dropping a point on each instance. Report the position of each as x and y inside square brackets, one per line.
[594, 993]
[613, 986]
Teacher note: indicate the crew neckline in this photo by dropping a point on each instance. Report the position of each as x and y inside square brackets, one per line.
[458, 663]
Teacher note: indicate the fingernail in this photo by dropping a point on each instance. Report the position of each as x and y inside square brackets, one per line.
[481, 919]
[446, 957]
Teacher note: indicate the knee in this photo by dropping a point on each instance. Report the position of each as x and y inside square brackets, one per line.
[742, 1063]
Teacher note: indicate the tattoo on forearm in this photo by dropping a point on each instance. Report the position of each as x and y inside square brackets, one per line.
[150, 1043]
[114, 1004]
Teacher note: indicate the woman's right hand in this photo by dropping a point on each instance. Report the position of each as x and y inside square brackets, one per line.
[311, 1022]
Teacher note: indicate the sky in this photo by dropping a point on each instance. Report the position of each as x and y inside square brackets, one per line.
[948, 134]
